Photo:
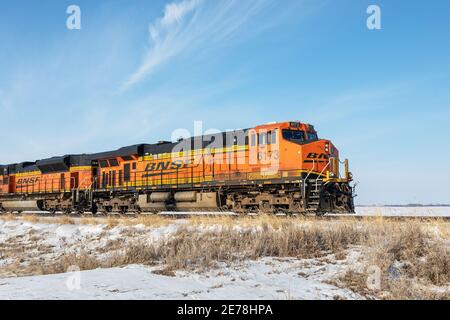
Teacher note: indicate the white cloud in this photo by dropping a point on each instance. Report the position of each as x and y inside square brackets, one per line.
[191, 25]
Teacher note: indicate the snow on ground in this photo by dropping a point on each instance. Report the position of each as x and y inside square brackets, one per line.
[404, 211]
[25, 242]
[264, 279]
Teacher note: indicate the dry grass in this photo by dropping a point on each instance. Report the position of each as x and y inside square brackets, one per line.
[111, 221]
[412, 261]
[30, 218]
[8, 216]
[192, 250]
[413, 256]
[64, 220]
[147, 220]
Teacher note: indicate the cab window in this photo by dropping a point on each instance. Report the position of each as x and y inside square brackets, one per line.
[294, 135]
[312, 136]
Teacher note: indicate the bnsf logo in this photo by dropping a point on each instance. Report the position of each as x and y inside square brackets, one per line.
[168, 165]
[314, 155]
[28, 181]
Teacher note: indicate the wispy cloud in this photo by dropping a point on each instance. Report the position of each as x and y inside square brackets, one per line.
[192, 25]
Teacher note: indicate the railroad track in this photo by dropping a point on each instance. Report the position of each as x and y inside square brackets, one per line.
[323, 217]
[183, 215]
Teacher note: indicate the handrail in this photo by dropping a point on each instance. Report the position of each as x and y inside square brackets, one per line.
[306, 178]
[312, 169]
[179, 177]
[321, 172]
[93, 181]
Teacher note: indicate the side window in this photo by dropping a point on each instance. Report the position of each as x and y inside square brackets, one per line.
[273, 136]
[113, 163]
[134, 165]
[253, 140]
[104, 163]
[262, 138]
[120, 178]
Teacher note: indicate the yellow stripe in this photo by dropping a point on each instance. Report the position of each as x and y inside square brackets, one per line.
[33, 173]
[80, 168]
[26, 174]
[206, 151]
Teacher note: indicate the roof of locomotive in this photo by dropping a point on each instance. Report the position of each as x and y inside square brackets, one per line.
[66, 161]
[25, 167]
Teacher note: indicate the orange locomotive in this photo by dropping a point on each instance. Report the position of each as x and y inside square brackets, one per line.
[278, 167]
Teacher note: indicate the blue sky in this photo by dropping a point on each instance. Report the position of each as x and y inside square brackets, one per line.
[137, 70]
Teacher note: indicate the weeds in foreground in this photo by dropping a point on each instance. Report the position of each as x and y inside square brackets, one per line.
[413, 257]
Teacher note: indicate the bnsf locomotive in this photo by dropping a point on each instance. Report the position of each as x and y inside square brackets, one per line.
[277, 167]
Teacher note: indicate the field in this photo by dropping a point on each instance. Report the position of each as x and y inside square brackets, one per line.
[261, 257]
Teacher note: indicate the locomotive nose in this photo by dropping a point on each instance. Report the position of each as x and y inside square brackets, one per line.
[329, 149]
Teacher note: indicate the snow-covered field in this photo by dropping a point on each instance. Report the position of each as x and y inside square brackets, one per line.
[26, 243]
[264, 279]
[404, 211]
[29, 244]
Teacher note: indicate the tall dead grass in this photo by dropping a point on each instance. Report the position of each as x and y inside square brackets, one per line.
[413, 256]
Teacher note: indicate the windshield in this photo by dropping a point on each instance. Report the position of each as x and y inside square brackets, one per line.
[294, 135]
[298, 136]
[312, 136]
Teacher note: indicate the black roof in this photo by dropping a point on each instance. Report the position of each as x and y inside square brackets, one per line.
[137, 149]
[63, 163]
[25, 167]
[60, 164]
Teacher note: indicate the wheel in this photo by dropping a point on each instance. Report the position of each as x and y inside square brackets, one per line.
[266, 207]
[296, 207]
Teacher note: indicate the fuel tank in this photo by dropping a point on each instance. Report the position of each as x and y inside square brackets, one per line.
[22, 205]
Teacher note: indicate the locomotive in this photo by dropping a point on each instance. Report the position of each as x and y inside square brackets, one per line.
[272, 168]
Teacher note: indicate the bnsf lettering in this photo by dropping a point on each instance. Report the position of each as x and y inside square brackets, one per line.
[162, 166]
[313, 155]
[28, 181]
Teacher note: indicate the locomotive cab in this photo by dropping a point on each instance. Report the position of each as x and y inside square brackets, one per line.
[325, 187]
[318, 156]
